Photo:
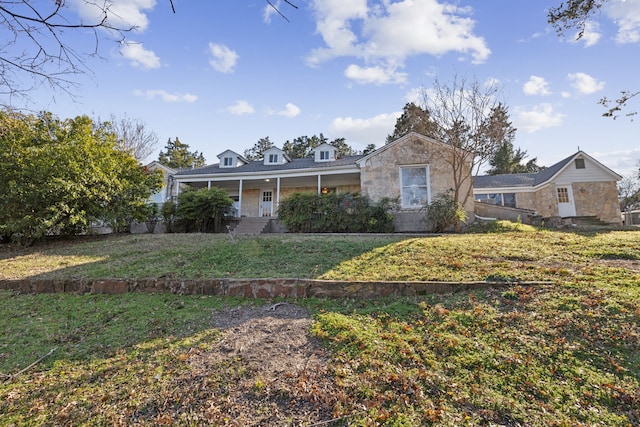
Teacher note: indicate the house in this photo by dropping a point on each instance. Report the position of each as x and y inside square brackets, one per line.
[577, 186]
[413, 168]
[165, 193]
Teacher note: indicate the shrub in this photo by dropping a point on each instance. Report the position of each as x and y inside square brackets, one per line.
[443, 213]
[336, 213]
[201, 211]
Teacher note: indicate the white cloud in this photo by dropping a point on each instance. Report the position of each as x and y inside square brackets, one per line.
[373, 130]
[290, 110]
[166, 96]
[385, 35]
[624, 162]
[539, 117]
[536, 86]
[591, 34]
[584, 83]
[626, 14]
[241, 107]
[375, 75]
[222, 59]
[139, 56]
[121, 13]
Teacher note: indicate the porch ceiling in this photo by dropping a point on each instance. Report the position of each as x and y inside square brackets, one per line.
[299, 181]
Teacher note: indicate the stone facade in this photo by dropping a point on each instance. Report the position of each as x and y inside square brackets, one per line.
[380, 174]
[597, 199]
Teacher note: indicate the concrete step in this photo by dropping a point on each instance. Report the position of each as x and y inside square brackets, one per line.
[252, 225]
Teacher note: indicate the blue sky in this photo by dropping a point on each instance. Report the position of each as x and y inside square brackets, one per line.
[223, 74]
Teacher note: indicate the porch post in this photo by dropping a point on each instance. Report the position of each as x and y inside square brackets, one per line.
[319, 184]
[208, 185]
[240, 199]
[277, 193]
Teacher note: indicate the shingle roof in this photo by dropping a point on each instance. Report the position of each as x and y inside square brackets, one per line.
[259, 166]
[521, 179]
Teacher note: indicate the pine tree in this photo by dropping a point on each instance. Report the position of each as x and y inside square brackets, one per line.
[413, 119]
[177, 155]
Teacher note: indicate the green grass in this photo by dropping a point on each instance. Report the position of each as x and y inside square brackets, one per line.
[563, 354]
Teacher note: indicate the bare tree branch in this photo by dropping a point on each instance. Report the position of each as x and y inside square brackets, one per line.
[39, 44]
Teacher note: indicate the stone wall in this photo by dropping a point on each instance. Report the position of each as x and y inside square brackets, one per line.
[598, 199]
[380, 174]
[248, 288]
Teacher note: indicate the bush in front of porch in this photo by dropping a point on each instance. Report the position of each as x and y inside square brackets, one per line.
[307, 212]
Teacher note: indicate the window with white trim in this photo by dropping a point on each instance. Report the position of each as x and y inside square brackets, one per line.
[228, 161]
[273, 158]
[414, 186]
[324, 155]
[563, 195]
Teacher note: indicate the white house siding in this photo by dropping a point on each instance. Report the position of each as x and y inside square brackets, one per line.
[591, 173]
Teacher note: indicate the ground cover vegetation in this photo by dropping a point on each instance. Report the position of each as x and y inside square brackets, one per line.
[558, 354]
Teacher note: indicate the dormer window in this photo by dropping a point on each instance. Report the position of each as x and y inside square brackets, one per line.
[231, 159]
[324, 153]
[275, 156]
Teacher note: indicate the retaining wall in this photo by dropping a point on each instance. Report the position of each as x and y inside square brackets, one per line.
[248, 288]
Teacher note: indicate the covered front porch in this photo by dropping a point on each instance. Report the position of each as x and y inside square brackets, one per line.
[259, 195]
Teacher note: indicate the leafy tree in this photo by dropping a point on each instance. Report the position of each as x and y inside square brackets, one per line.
[257, 151]
[132, 136]
[204, 210]
[177, 155]
[59, 176]
[574, 14]
[413, 119]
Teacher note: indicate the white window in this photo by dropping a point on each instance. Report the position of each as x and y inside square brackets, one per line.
[324, 155]
[415, 186]
[273, 158]
[563, 195]
[579, 163]
[228, 161]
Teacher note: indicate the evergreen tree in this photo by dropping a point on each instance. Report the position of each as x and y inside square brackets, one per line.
[257, 151]
[414, 119]
[506, 159]
[177, 155]
[302, 146]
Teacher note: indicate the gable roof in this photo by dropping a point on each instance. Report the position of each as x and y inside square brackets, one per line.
[535, 179]
[234, 154]
[402, 140]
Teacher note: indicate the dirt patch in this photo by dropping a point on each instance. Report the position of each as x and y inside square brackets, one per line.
[267, 370]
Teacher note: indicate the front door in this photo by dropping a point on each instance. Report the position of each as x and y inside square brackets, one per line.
[266, 203]
[566, 207]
